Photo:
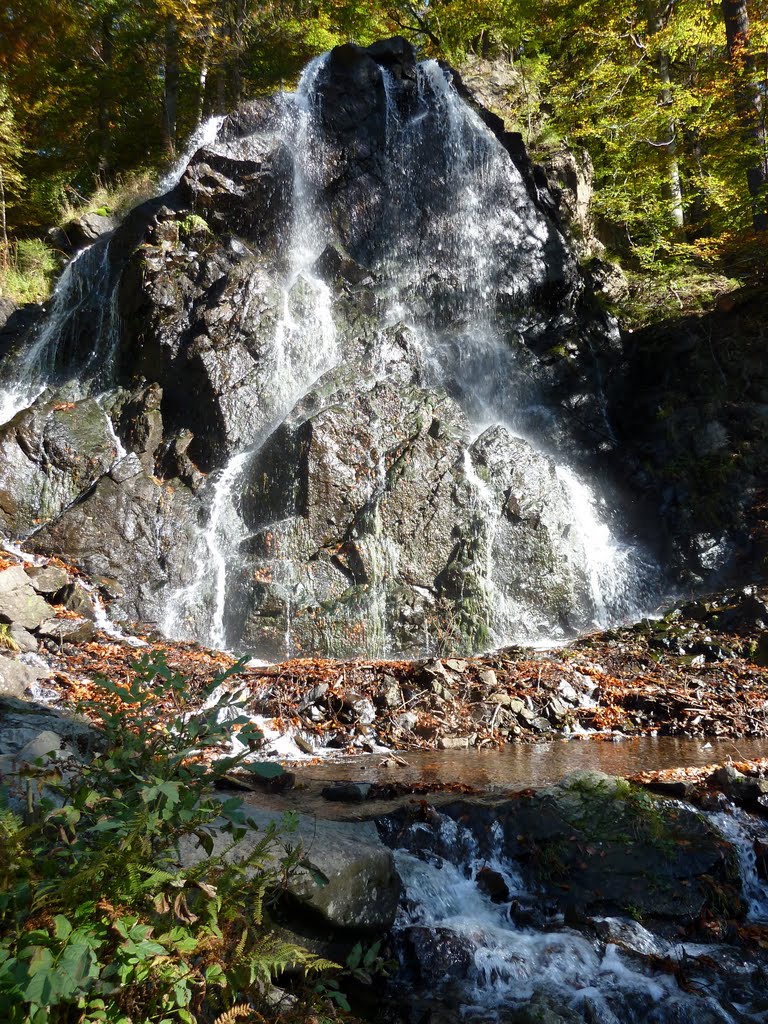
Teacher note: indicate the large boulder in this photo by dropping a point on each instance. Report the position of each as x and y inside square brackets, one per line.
[347, 876]
[50, 454]
[134, 528]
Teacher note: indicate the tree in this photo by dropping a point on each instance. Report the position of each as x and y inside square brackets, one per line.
[10, 178]
[750, 92]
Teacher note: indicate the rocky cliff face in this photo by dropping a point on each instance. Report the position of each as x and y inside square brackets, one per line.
[324, 394]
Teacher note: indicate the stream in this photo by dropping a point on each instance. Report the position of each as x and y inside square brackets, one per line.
[522, 766]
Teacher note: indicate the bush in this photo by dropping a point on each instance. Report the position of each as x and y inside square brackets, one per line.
[28, 270]
[100, 922]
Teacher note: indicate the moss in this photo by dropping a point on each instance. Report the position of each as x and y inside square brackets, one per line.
[193, 224]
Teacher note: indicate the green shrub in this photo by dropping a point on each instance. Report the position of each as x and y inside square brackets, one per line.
[28, 270]
[99, 921]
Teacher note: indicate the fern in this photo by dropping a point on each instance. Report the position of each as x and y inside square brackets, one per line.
[236, 1013]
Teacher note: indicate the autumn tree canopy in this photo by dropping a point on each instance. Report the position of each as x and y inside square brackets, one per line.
[668, 97]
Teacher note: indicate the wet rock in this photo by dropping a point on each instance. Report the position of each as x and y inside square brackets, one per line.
[454, 742]
[492, 884]
[440, 953]
[23, 640]
[16, 677]
[133, 527]
[21, 722]
[390, 695]
[19, 604]
[347, 792]
[50, 454]
[349, 882]
[543, 1009]
[76, 598]
[596, 846]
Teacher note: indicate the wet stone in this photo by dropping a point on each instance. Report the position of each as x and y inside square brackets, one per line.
[454, 742]
[347, 792]
[73, 631]
[488, 678]
[492, 884]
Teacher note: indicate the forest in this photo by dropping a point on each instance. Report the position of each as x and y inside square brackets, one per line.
[667, 98]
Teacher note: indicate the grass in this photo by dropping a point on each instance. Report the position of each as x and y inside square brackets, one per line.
[116, 199]
[27, 271]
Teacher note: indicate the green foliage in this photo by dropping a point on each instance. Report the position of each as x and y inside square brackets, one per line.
[28, 272]
[6, 638]
[100, 923]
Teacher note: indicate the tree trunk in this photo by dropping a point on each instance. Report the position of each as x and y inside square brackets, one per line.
[237, 46]
[171, 91]
[202, 81]
[667, 143]
[750, 106]
[3, 224]
[104, 114]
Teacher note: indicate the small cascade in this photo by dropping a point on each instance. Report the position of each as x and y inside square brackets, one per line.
[481, 956]
[77, 341]
[198, 610]
[741, 830]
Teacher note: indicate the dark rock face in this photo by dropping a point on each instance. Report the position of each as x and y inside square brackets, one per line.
[130, 519]
[49, 455]
[345, 288]
[691, 410]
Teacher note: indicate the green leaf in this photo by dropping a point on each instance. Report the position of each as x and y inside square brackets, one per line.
[62, 929]
[355, 955]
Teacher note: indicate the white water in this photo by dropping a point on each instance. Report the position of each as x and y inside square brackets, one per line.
[302, 348]
[453, 199]
[739, 829]
[505, 965]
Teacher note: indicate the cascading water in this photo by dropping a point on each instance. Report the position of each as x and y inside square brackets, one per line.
[303, 346]
[387, 472]
[450, 237]
[473, 956]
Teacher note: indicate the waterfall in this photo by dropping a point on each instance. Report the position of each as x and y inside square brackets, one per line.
[456, 283]
[302, 347]
[451, 240]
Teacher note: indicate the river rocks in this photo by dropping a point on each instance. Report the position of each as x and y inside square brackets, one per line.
[16, 676]
[67, 630]
[47, 579]
[19, 603]
[596, 846]
[22, 723]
